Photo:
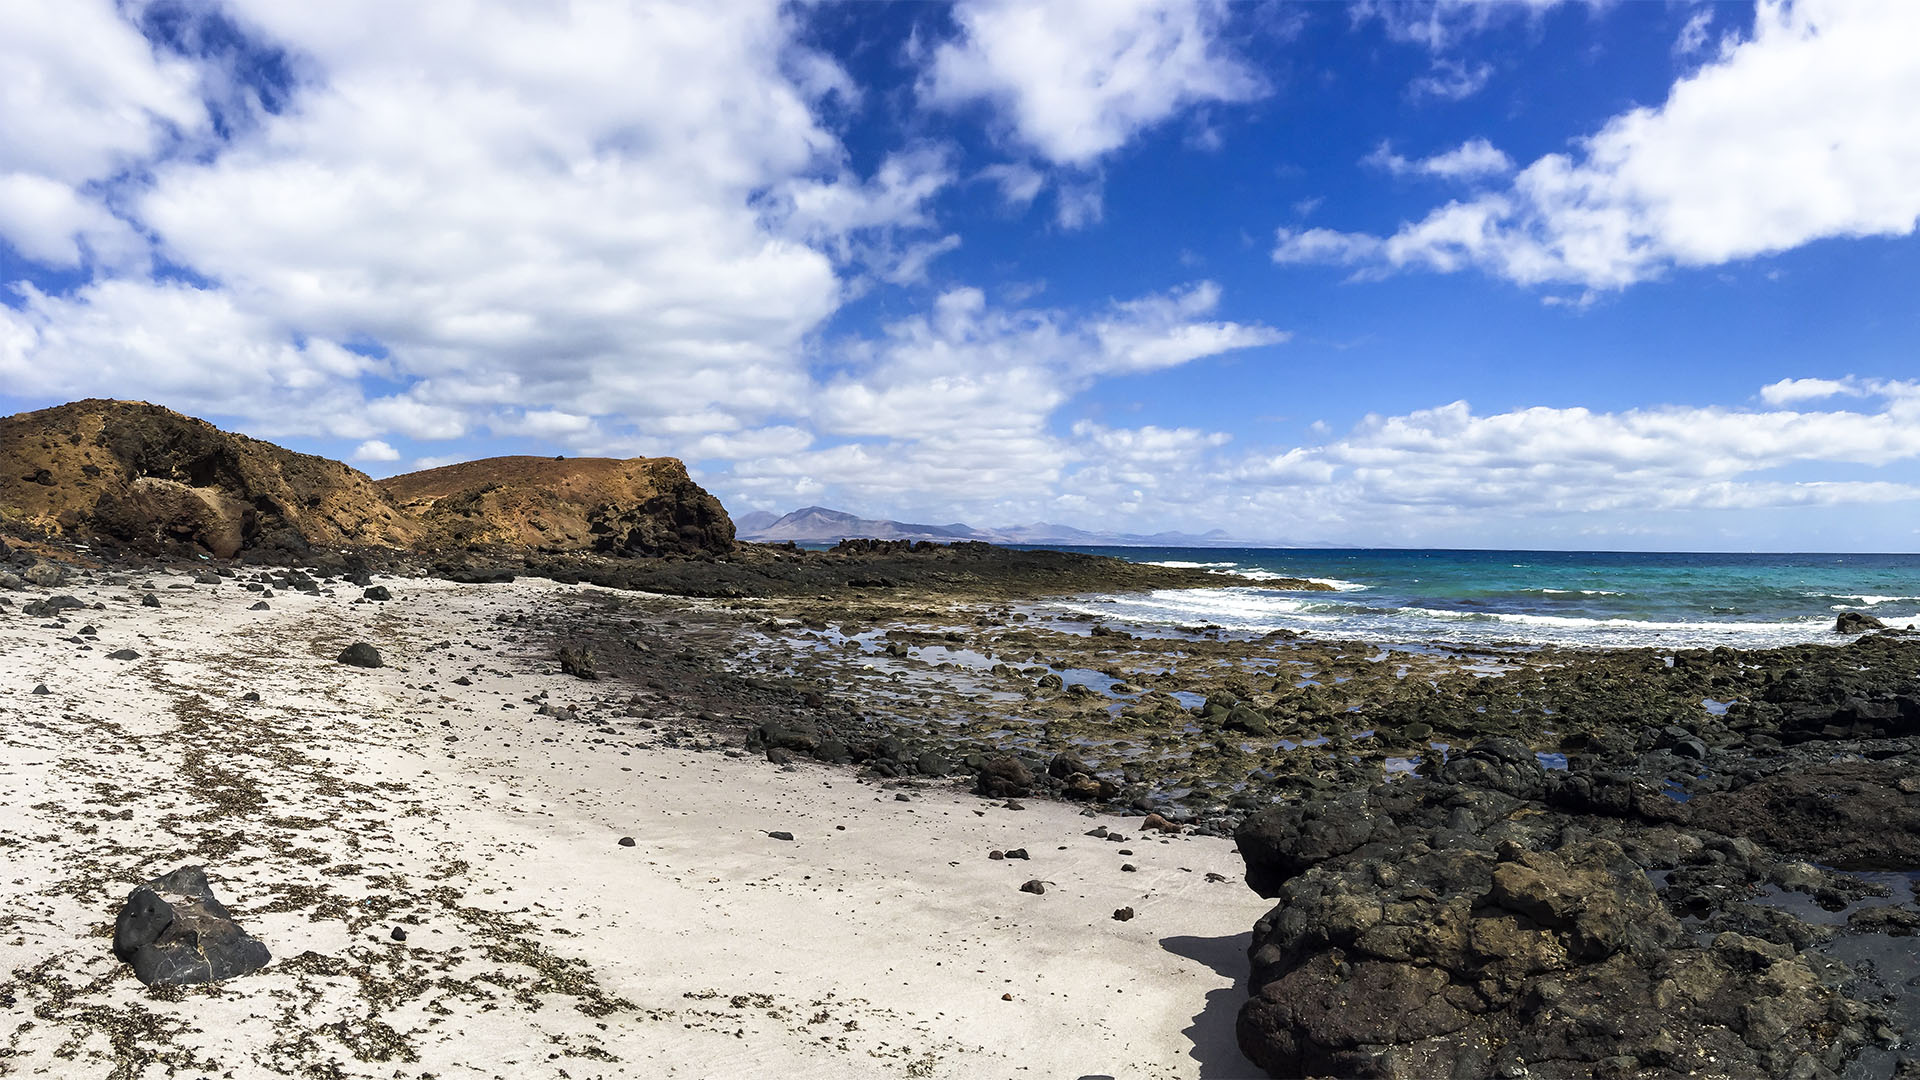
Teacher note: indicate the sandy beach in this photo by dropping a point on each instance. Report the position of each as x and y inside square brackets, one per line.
[474, 797]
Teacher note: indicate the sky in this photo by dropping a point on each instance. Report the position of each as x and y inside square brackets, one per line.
[1496, 274]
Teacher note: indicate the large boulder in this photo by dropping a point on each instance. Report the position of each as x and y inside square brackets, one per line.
[1852, 622]
[1428, 929]
[175, 932]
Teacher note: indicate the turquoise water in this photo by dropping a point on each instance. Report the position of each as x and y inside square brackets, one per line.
[1597, 599]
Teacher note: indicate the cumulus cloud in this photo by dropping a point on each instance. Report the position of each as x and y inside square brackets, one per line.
[1801, 132]
[1448, 462]
[1077, 80]
[595, 208]
[1471, 160]
[1788, 391]
[83, 98]
[960, 400]
[375, 450]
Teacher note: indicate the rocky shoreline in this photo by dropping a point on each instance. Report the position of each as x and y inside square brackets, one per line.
[1524, 862]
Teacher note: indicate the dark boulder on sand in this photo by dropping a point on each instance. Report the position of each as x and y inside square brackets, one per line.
[361, 654]
[175, 932]
[1003, 778]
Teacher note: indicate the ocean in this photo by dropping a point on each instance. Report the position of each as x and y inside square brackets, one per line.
[1594, 599]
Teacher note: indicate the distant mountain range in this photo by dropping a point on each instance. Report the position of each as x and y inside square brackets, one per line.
[819, 525]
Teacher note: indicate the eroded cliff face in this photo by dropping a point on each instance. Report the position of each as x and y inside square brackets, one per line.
[634, 506]
[149, 478]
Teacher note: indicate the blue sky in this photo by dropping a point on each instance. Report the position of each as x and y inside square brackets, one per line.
[1614, 275]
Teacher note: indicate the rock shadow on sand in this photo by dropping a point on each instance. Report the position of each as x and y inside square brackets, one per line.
[1212, 1029]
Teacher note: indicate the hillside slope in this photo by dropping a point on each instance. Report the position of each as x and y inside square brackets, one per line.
[150, 478]
[635, 506]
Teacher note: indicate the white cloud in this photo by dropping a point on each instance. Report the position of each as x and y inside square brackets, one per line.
[82, 98]
[1077, 80]
[1788, 391]
[375, 450]
[588, 210]
[1018, 184]
[1693, 36]
[1471, 160]
[1802, 132]
[1452, 80]
[82, 94]
[960, 400]
[1440, 25]
[1078, 204]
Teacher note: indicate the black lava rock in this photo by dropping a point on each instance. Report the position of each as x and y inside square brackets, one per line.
[175, 932]
[378, 592]
[361, 654]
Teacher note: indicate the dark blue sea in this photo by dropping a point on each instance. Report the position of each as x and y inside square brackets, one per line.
[1599, 599]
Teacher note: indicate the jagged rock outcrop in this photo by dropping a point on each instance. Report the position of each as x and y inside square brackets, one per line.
[1442, 929]
[147, 477]
[635, 506]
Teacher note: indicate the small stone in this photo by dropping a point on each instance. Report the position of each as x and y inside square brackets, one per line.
[1126, 851]
[41, 688]
[251, 695]
[996, 854]
[150, 600]
[1006, 997]
[780, 835]
[1017, 853]
[398, 934]
[626, 841]
[1128, 868]
[378, 592]
[123, 654]
[1035, 886]
[1122, 914]
[360, 654]
[259, 605]
[1101, 832]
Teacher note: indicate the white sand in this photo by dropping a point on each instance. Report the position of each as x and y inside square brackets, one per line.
[879, 942]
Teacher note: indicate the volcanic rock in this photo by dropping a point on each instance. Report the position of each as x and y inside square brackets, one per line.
[360, 654]
[153, 479]
[1852, 622]
[636, 506]
[175, 932]
[1432, 929]
[1003, 777]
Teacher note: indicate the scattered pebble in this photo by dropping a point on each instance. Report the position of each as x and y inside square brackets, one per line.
[1122, 914]
[1035, 886]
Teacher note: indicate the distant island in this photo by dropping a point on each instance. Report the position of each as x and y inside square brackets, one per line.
[819, 525]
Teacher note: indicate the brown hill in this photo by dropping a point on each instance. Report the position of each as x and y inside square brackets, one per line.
[635, 506]
[151, 478]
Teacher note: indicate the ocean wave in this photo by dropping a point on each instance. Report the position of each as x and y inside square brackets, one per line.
[1571, 592]
[1256, 610]
[1335, 584]
[1180, 565]
[1869, 600]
